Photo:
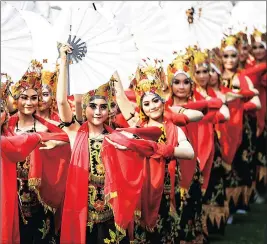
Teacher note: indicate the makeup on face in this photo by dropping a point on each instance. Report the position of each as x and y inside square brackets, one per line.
[226, 56]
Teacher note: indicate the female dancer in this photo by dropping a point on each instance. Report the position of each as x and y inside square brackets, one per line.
[239, 179]
[36, 218]
[48, 107]
[164, 200]
[259, 52]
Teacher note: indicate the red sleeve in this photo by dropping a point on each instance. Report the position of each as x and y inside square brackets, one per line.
[219, 118]
[121, 121]
[177, 119]
[197, 105]
[249, 106]
[17, 148]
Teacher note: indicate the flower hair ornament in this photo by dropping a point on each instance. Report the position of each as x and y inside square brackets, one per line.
[260, 37]
[150, 79]
[30, 80]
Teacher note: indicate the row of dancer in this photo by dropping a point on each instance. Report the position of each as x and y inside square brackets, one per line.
[169, 160]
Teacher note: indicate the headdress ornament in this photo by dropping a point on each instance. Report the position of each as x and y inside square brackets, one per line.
[258, 36]
[230, 43]
[105, 91]
[150, 78]
[200, 57]
[30, 80]
[215, 60]
[50, 79]
[182, 64]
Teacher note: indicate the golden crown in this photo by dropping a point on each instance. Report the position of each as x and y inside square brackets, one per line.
[149, 79]
[50, 79]
[106, 91]
[200, 57]
[30, 80]
[182, 63]
[258, 36]
[229, 41]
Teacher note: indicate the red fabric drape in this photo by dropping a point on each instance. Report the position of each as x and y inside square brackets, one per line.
[188, 167]
[154, 181]
[13, 150]
[73, 228]
[124, 174]
[74, 215]
[48, 167]
[205, 142]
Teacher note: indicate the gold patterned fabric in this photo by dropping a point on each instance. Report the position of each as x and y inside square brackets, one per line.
[98, 210]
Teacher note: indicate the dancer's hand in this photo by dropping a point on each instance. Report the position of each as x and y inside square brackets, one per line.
[116, 145]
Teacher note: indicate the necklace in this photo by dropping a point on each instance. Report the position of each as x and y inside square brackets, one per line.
[29, 131]
[96, 137]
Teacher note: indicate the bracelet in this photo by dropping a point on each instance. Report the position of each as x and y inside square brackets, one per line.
[132, 115]
[181, 110]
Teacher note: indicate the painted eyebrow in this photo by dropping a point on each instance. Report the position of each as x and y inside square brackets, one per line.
[99, 104]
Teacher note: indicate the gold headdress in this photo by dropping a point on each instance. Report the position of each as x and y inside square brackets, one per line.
[181, 64]
[230, 43]
[200, 57]
[150, 79]
[105, 91]
[215, 61]
[30, 80]
[50, 79]
[258, 36]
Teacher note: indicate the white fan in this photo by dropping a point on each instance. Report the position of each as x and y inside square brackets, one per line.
[119, 13]
[150, 30]
[198, 22]
[96, 47]
[250, 15]
[39, 7]
[16, 42]
[44, 43]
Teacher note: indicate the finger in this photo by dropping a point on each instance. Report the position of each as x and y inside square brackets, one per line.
[44, 148]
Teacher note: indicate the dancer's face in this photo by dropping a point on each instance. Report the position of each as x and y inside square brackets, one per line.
[97, 111]
[244, 52]
[28, 102]
[202, 76]
[46, 99]
[230, 60]
[214, 78]
[152, 106]
[181, 86]
[113, 109]
[259, 51]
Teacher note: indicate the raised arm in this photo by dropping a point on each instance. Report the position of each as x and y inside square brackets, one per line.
[126, 107]
[78, 106]
[64, 109]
